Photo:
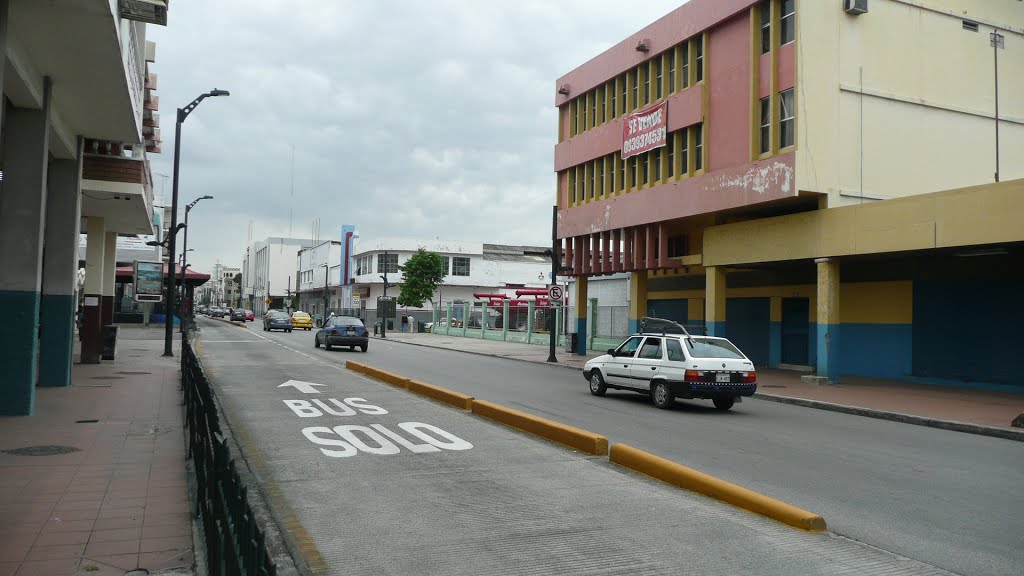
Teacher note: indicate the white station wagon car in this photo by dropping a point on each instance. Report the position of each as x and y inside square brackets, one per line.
[674, 365]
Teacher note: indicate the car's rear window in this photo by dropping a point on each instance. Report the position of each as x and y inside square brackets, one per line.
[346, 321]
[301, 315]
[707, 348]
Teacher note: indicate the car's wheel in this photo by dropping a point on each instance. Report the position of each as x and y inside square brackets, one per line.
[327, 344]
[316, 342]
[289, 330]
[724, 404]
[662, 395]
[352, 347]
[363, 347]
[597, 385]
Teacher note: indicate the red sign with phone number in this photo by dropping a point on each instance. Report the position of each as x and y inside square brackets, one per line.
[645, 130]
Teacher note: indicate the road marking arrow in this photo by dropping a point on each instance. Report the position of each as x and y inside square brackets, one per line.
[301, 386]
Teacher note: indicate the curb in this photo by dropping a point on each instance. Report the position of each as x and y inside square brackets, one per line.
[951, 425]
[571, 436]
[236, 324]
[690, 479]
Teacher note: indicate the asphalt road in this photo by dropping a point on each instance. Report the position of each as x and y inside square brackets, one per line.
[949, 499]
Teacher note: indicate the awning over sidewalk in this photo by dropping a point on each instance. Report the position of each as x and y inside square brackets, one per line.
[127, 273]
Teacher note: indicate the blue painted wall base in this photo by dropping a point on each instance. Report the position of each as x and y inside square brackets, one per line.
[828, 351]
[18, 347]
[879, 350]
[774, 344]
[633, 326]
[56, 316]
[716, 328]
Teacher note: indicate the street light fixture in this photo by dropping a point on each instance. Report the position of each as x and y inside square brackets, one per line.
[182, 115]
[186, 249]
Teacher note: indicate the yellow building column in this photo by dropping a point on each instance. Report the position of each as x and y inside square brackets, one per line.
[637, 299]
[714, 300]
[582, 303]
[828, 319]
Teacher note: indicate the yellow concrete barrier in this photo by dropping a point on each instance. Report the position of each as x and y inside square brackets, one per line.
[690, 479]
[456, 399]
[377, 374]
[577, 438]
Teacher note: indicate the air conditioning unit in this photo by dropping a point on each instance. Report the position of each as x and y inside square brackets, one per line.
[855, 7]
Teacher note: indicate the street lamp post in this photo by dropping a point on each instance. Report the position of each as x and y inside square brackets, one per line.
[384, 321]
[185, 250]
[556, 267]
[327, 271]
[182, 115]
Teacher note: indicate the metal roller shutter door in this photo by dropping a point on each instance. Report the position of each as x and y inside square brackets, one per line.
[675, 310]
[748, 326]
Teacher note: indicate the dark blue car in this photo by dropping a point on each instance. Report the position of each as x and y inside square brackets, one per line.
[343, 331]
[277, 320]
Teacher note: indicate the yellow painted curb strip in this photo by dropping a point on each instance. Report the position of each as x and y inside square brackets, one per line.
[456, 399]
[570, 436]
[690, 479]
[378, 374]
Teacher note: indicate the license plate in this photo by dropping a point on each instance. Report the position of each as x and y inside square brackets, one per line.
[720, 377]
[350, 332]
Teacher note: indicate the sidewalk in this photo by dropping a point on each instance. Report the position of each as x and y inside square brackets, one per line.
[106, 492]
[938, 406]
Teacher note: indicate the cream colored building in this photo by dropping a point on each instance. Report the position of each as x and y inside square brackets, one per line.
[901, 100]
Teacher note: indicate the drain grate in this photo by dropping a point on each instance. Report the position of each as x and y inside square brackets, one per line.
[132, 373]
[42, 450]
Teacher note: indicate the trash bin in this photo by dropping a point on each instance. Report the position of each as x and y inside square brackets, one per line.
[109, 338]
[571, 340]
[376, 328]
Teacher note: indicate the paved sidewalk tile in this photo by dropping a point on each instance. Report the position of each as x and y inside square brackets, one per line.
[121, 485]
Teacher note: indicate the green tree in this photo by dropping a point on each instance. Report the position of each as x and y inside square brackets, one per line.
[422, 274]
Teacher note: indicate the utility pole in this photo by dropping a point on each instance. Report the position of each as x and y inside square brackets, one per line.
[384, 321]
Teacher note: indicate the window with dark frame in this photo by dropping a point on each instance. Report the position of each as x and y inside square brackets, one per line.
[387, 263]
[625, 89]
[644, 163]
[446, 268]
[684, 62]
[656, 165]
[766, 26]
[766, 124]
[571, 184]
[622, 174]
[671, 146]
[699, 58]
[684, 144]
[647, 83]
[787, 23]
[698, 147]
[615, 99]
[460, 266]
[593, 108]
[657, 78]
[671, 55]
[636, 88]
[593, 178]
[786, 119]
[604, 100]
[632, 171]
[600, 177]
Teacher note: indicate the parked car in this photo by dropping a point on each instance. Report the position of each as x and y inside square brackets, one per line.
[343, 331]
[302, 320]
[249, 316]
[277, 320]
[238, 315]
[674, 365]
[217, 312]
[201, 309]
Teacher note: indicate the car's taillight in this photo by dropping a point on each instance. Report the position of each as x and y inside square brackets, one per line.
[335, 332]
[748, 377]
[366, 332]
[693, 376]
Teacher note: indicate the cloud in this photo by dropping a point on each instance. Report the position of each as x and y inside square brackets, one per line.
[432, 119]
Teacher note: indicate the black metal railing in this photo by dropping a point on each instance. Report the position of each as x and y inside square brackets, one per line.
[235, 543]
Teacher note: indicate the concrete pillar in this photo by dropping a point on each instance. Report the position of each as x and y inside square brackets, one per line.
[483, 319]
[637, 299]
[465, 318]
[22, 217]
[828, 319]
[580, 297]
[109, 278]
[92, 291]
[449, 319]
[60, 272]
[592, 323]
[714, 300]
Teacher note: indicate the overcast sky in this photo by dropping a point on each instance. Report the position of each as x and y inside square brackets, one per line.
[408, 118]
